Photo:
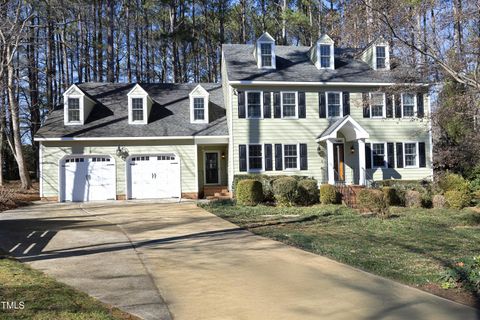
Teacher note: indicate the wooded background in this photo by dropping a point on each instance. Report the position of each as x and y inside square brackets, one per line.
[45, 46]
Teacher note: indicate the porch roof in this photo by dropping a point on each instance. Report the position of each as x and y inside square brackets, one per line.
[350, 128]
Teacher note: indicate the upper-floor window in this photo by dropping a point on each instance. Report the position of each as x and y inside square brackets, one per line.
[377, 105]
[290, 156]
[408, 105]
[137, 110]
[73, 110]
[254, 104]
[266, 54]
[379, 155]
[410, 154]
[198, 109]
[325, 55]
[255, 157]
[289, 104]
[381, 55]
[334, 104]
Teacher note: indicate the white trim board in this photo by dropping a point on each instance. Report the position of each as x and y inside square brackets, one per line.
[316, 83]
[196, 138]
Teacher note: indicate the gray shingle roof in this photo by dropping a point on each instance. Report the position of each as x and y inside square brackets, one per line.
[170, 115]
[332, 127]
[294, 64]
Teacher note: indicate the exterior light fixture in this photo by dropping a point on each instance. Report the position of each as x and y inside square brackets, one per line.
[223, 156]
[122, 152]
[352, 149]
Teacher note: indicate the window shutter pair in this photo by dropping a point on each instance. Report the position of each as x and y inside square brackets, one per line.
[267, 157]
[279, 157]
[422, 157]
[322, 104]
[366, 105]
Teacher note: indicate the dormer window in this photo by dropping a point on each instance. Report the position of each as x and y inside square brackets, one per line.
[139, 105]
[199, 100]
[325, 55]
[73, 106]
[381, 57]
[199, 109]
[266, 54]
[322, 53]
[137, 109]
[265, 51]
[77, 106]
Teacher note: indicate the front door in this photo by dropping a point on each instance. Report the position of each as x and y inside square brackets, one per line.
[338, 160]
[211, 168]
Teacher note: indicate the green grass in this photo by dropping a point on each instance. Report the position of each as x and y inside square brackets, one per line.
[414, 246]
[46, 299]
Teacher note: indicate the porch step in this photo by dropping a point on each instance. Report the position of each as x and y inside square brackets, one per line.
[223, 197]
[211, 190]
[222, 194]
[349, 194]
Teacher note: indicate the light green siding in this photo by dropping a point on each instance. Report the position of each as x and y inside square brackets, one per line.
[53, 152]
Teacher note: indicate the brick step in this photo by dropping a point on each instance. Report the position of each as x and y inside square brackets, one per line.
[218, 198]
[222, 194]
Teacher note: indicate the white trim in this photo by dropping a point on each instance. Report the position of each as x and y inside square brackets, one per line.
[324, 83]
[332, 55]
[417, 155]
[205, 167]
[362, 133]
[415, 105]
[196, 138]
[341, 104]
[199, 92]
[248, 158]
[246, 104]
[40, 169]
[387, 56]
[283, 156]
[384, 107]
[130, 110]
[281, 104]
[385, 155]
[268, 39]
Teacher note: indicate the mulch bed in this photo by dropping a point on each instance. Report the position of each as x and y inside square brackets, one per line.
[13, 196]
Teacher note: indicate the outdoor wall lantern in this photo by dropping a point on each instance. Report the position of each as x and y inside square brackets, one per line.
[352, 149]
[122, 152]
[223, 156]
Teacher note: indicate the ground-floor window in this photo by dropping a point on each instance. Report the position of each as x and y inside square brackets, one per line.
[378, 155]
[410, 154]
[255, 157]
[290, 156]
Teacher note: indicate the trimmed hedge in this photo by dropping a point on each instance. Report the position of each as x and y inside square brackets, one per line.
[249, 192]
[413, 199]
[438, 201]
[329, 194]
[457, 199]
[285, 191]
[374, 200]
[393, 196]
[308, 192]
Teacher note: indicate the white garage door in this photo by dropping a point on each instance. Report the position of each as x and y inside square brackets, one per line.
[89, 178]
[154, 176]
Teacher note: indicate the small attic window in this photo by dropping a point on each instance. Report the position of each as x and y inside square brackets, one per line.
[139, 105]
[199, 100]
[137, 109]
[322, 53]
[266, 55]
[325, 55]
[381, 57]
[199, 109]
[73, 106]
[264, 52]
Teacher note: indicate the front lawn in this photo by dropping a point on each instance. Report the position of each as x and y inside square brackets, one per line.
[44, 298]
[414, 246]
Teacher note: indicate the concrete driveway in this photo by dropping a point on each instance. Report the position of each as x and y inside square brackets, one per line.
[162, 261]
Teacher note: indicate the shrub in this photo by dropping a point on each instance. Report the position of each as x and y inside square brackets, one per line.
[285, 191]
[249, 192]
[413, 199]
[374, 200]
[465, 272]
[392, 196]
[308, 192]
[453, 182]
[438, 201]
[329, 194]
[457, 199]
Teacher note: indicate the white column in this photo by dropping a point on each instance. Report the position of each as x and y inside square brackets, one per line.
[331, 172]
[361, 161]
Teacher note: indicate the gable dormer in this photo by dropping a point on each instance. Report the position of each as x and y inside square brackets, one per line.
[322, 53]
[139, 105]
[265, 52]
[77, 106]
[377, 55]
[199, 102]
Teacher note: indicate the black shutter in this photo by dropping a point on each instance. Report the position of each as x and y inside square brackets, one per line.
[302, 110]
[399, 148]
[420, 108]
[389, 106]
[277, 111]
[241, 104]
[278, 157]
[303, 157]
[366, 105]
[267, 105]
[391, 154]
[422, 157]
[346, 103]
[368, 155]
[242, 150]
[268, 158]
[398, 106]
[322, 105]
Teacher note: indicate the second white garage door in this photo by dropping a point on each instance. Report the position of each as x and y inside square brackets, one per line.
[153, 176]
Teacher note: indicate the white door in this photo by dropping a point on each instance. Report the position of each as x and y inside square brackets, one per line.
[89, 178]
[154, 176]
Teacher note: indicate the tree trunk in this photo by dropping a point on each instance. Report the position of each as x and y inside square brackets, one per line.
[110, 58]
[128, 44]
[100, 41]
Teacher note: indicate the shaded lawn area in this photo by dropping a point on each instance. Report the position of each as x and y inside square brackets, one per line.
[414, 246]
[46, 299]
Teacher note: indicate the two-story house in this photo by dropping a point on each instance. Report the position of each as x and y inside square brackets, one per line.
[335, 114]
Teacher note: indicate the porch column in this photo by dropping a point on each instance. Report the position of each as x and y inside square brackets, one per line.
[361, 161]
[330, 165]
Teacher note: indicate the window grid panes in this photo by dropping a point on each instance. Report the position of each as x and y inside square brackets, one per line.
[266, 54]
[381, 57]
[255, 157]
[378, 152]
[325, 56]
[410, 154]
[73, 110]
[137, 109]
[290, 156]
[377, 102]
[254, 104]
[198, 109]
[408, 104]
[289, 104]
[334, 105]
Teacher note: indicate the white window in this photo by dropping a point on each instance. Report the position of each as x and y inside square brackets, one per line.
[377, 105]
[334, 104]
[198, 109]
[266, 55]
[325, 55]
[381, 55]
[137, 109]
[289, 104]
[379, 155]
[254, 105]
[408, 105]
[290, 156]
[73, 110]
[410, 154]
[255, 157]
